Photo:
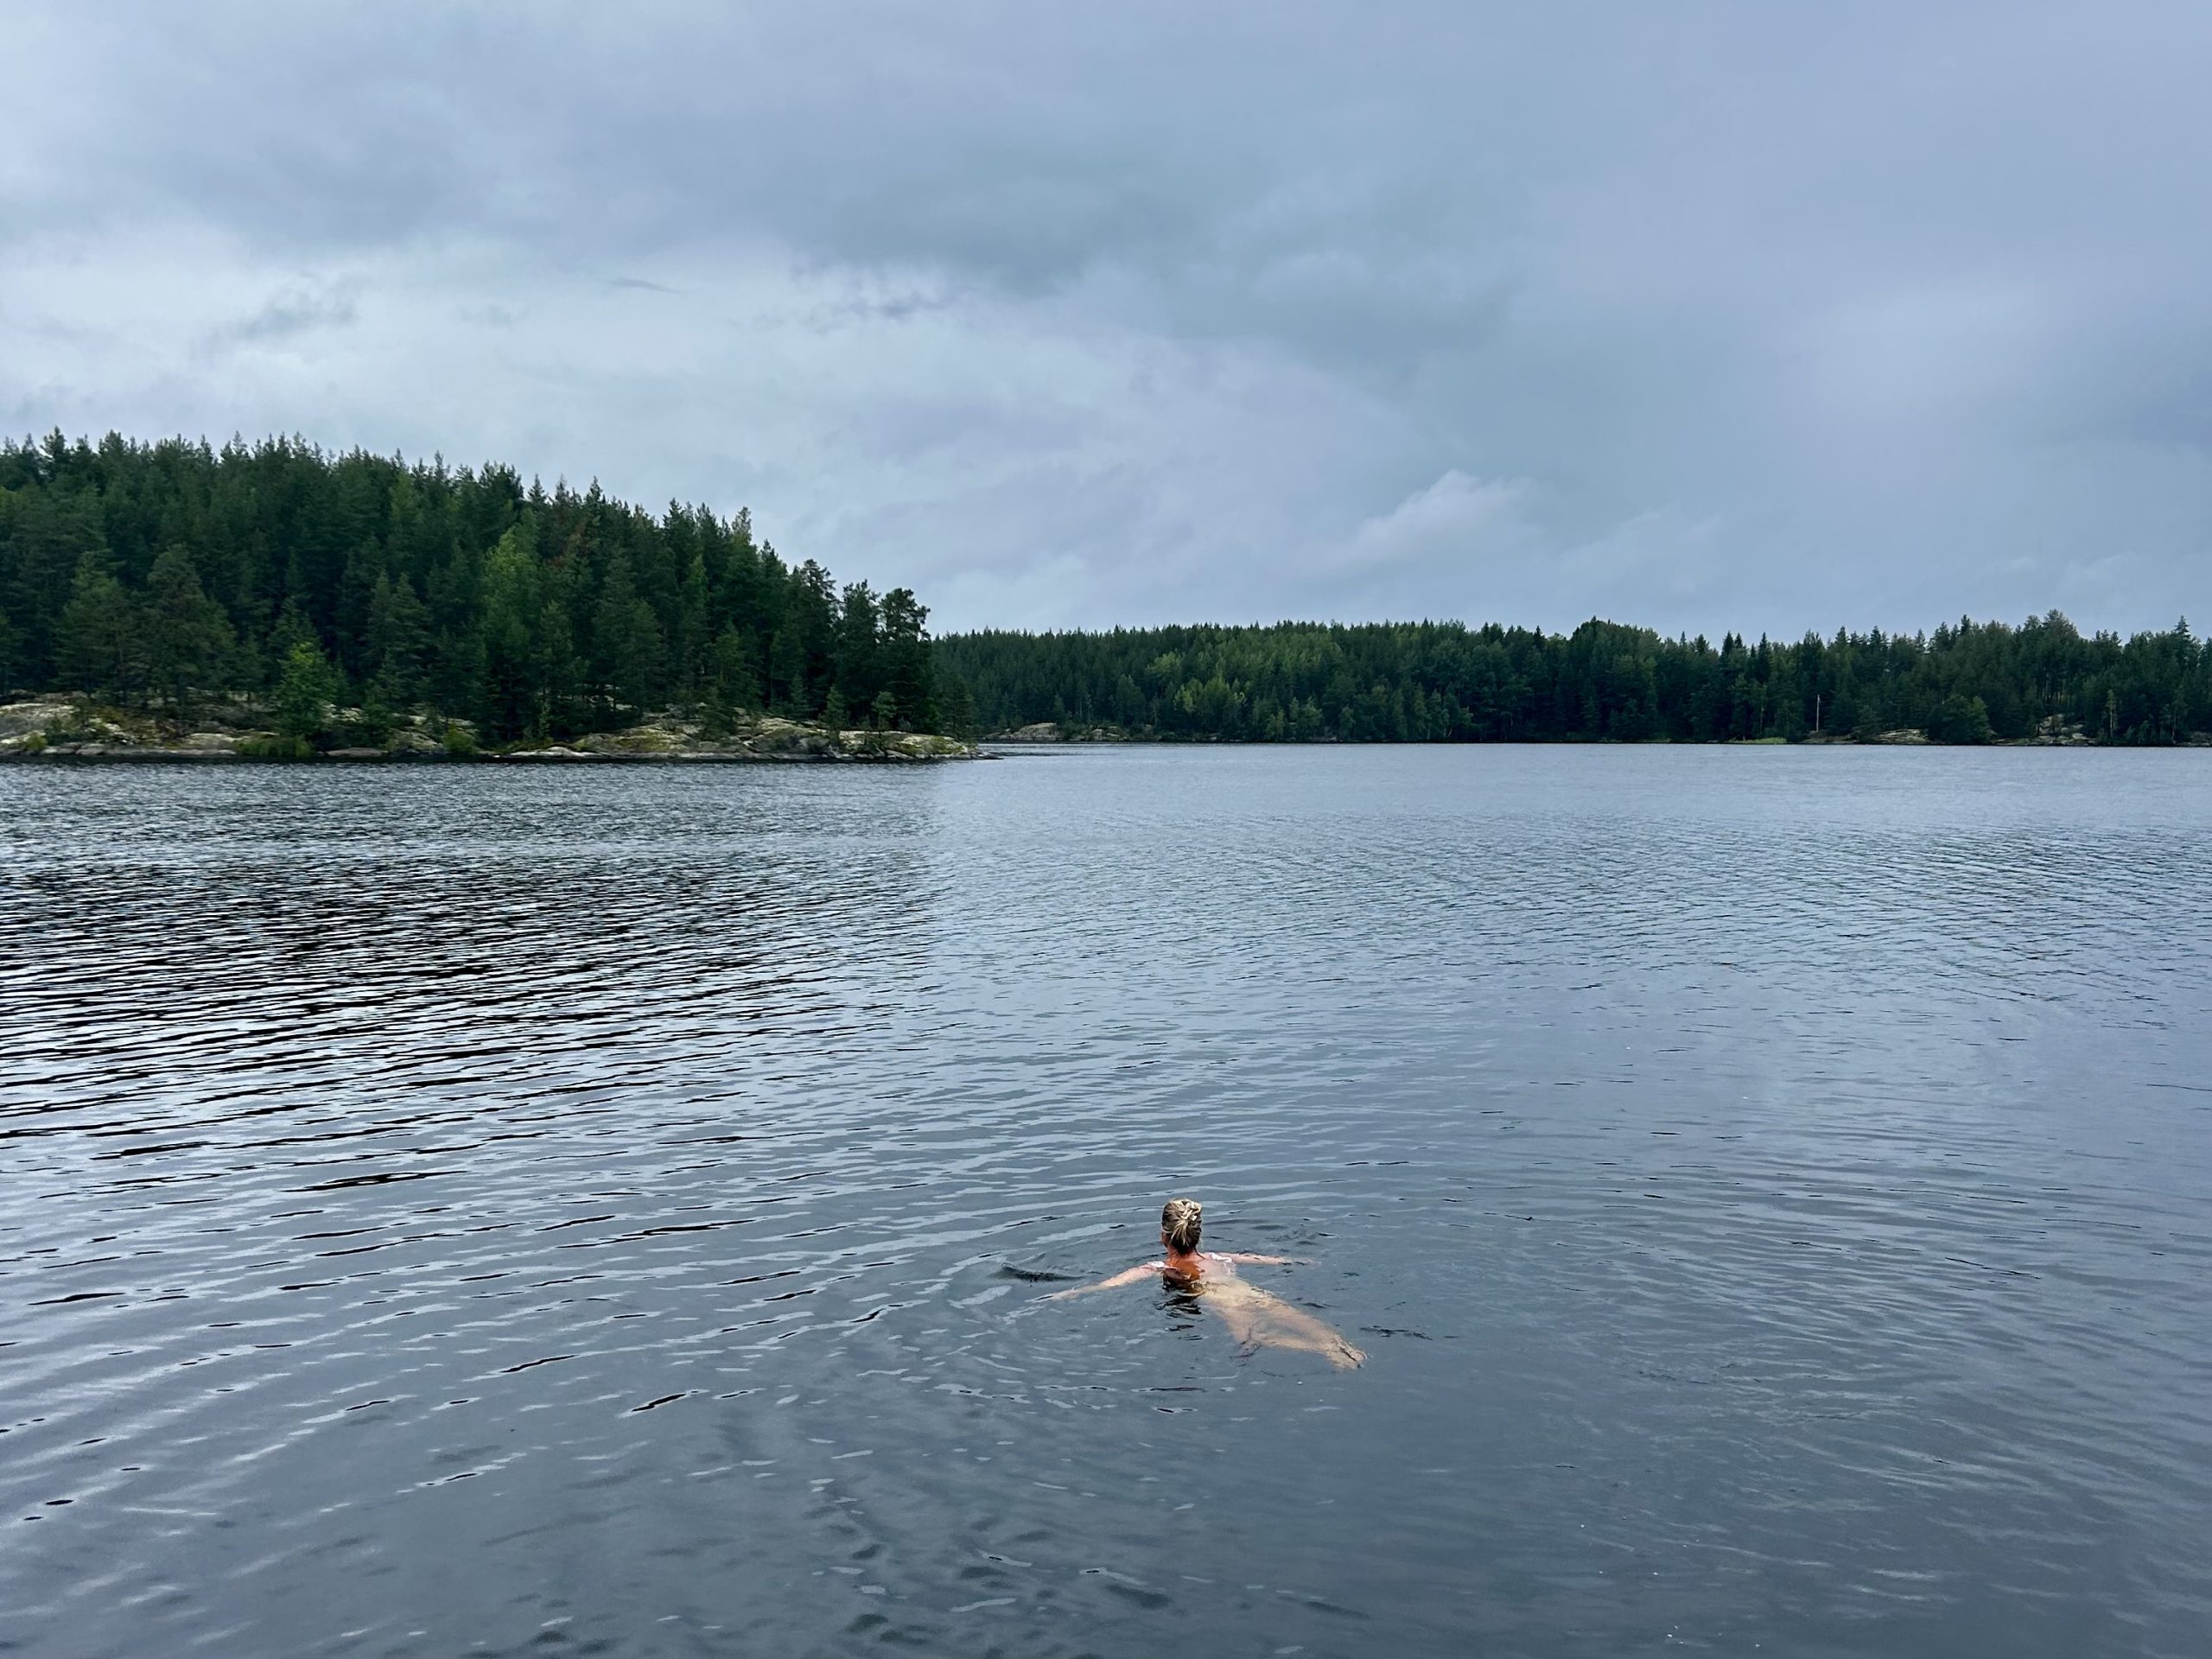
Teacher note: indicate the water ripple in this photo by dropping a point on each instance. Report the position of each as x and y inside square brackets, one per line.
[462, 1208]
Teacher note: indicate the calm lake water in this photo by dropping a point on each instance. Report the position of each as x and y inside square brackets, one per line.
[460, 1210]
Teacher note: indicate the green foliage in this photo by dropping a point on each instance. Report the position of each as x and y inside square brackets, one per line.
[787, 672]
[1968, 683]
[397, 642]
[98, 633]
[734, 675]
[276, 748]
[77, 724]
[630, 655]
[369, 726]
[956, 708]
[906, 664]
[1960, 719]
[305, 693]
[858, 651]
[154, 575]
[189, 639]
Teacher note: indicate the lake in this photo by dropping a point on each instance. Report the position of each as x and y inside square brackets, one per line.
[454, 1210]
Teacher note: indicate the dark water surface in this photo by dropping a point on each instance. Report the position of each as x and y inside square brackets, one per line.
[456, 1210]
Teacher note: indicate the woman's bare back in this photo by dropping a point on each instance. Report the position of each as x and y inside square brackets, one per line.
[1255, 1318]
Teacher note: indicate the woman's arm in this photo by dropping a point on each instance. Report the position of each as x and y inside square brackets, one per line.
[1127, 1276]
[1269, 1260]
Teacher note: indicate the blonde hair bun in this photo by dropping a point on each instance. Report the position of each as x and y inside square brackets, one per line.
[1181, 1219]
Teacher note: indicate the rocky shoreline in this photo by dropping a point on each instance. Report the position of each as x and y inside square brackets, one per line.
[52, 730]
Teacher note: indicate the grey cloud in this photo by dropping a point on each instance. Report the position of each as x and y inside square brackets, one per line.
[1769, 317]
[290, 314]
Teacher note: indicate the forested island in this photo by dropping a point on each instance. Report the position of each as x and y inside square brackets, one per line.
[2042, 681]
[349, 603]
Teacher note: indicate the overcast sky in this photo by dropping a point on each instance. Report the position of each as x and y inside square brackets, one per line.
[1766, 316]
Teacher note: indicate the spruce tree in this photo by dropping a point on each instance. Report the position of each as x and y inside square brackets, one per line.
[189, 639]
[99, 640]
[306, 685]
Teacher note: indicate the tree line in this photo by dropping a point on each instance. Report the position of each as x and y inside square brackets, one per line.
[166, 576]
[1441, 682]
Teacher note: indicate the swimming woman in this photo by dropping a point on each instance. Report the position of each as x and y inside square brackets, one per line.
[1253, 1316]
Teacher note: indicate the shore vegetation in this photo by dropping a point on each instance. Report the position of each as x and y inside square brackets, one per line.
[2042, 681]
[183, 581]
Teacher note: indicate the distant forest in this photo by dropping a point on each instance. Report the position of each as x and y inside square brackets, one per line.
[1441, 682]
[163, 575]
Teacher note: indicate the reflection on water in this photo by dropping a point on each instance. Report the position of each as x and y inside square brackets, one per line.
[457, 1209]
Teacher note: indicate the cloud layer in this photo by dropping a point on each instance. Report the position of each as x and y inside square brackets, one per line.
[1705, 315]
